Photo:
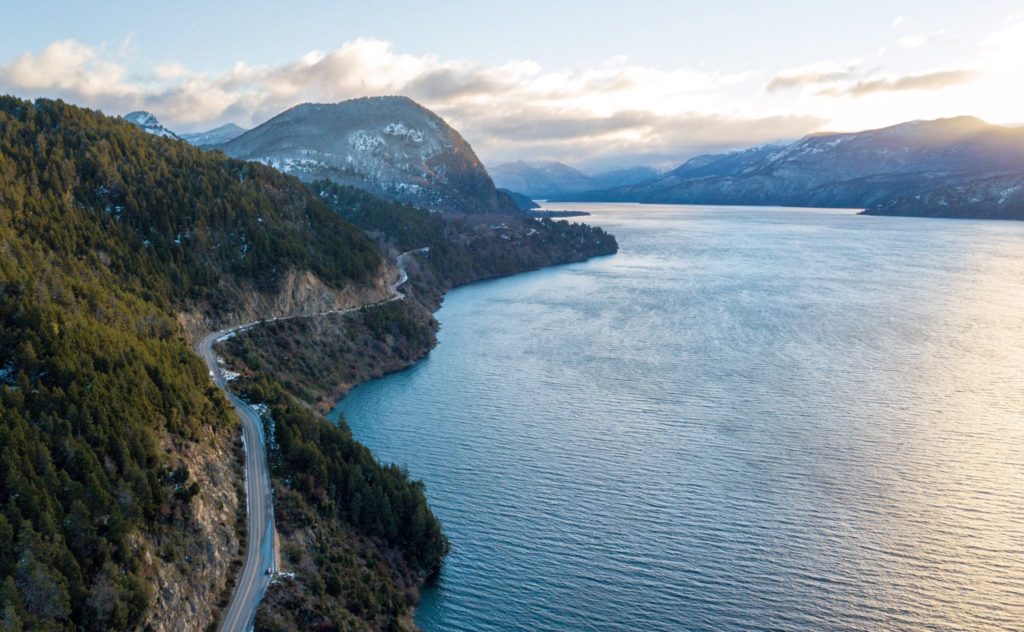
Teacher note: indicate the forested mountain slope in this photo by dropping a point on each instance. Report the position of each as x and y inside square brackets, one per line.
[118, 498]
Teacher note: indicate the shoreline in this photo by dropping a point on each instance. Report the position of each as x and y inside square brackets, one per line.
[433, 310]
[425, 299]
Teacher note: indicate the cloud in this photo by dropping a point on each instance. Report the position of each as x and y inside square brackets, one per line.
[68, 66]
[822, 72]
[898, 21]
[929, 81]
[641, 136]
[918, 40]
[169, 70]
[507, 111]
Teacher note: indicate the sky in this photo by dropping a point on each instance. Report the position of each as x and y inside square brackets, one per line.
[595, 84]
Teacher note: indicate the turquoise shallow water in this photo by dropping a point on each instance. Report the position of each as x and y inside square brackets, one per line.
[771, 419]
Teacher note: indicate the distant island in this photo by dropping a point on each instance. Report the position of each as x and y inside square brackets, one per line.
[553, 214]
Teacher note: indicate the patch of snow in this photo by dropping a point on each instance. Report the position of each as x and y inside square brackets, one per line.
[365, 141]
[1005, 194]
[400, 130]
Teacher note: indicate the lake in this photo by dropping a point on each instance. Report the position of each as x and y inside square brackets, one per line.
[749, 418]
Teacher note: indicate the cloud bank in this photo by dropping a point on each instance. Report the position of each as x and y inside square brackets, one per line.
[509, 111]
[605, 115]
[928, 81]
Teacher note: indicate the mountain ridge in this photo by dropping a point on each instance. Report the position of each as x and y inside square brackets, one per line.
[868, 170]
[215, 137]
[546, 178]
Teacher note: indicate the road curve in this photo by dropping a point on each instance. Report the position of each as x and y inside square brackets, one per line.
[260, 563]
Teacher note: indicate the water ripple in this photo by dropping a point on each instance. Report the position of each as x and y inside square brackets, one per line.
[747, 419]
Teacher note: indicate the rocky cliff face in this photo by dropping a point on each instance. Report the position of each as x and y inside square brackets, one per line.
[192, 582]
[299, 294]
[390, 146]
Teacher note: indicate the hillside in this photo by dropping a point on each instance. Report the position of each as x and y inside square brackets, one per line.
[872, 169]
[119, 485]
[390, 146]
[995, 197]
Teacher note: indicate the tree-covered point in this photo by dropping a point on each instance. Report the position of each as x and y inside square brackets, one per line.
[341, 514]
[169, 219]
[466, 248]
[319, 360]
[335, 472]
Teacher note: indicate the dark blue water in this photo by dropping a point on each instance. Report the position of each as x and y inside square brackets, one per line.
[747, 419]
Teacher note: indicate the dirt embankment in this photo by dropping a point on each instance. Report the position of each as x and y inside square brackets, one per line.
[297, 294]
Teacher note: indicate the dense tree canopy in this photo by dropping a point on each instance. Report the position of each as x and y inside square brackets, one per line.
[170, 220]
[105, 233]
[465, 248]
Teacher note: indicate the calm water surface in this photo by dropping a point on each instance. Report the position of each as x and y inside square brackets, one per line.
[770, 419]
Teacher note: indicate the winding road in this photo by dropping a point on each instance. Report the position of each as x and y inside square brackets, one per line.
[260, 558]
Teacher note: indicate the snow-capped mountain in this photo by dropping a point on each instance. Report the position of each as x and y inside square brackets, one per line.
[390, 146]
[943, 167]
[149, 123]
[214, 137]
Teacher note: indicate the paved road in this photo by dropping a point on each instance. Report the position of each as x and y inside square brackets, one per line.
[260, 562]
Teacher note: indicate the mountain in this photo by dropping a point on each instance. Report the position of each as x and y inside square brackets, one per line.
[623, 177]
[149, 123]
[120, 481]
[122, 502]
[390, 146]
[871, 170]
[214, 137]
[543, 179]
[733, 163]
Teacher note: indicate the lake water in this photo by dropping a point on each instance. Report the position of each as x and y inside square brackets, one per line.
[772, 419]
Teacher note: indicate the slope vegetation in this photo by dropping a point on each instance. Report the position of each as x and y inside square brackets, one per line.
[118, 482]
